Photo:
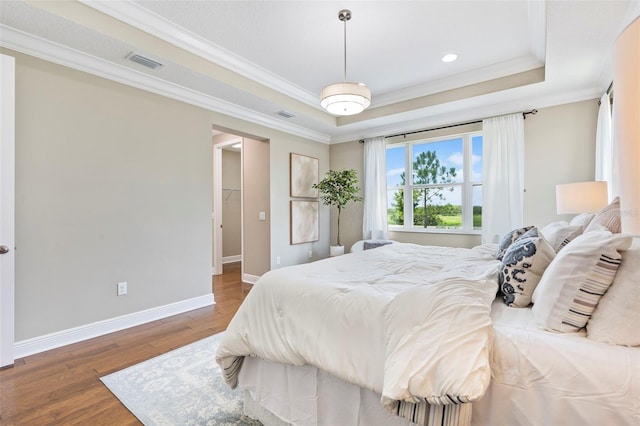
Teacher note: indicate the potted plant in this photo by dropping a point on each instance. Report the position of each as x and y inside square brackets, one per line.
[337, 189]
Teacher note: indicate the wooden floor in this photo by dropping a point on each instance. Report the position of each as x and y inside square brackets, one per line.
[62, 386]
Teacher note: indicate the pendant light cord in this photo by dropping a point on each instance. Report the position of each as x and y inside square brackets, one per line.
[345, 50]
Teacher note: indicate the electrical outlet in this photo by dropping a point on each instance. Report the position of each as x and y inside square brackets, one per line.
[310, 254]
[277, 260]
[262, 216]
[122, 288]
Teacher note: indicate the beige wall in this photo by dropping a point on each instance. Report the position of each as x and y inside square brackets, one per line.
[280, 212]
[112, 184]
[231, 203]
[115, 184]
[257, 235]
[559, 148]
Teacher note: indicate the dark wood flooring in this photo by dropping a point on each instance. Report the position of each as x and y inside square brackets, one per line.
[62, 386]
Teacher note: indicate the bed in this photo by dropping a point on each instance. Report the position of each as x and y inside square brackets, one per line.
[406, 334]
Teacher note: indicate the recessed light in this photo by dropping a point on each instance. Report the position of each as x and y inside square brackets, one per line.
[236, 146]
[449, 57]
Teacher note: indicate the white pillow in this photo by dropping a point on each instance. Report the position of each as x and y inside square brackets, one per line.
[608, 217]
[522, 266]
[583, 219]
[576, 279]
[616, 319]
[559, 234]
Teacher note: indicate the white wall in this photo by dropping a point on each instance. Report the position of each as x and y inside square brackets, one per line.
[559, 148]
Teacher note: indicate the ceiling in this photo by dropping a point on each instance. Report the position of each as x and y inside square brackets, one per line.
[254, 59]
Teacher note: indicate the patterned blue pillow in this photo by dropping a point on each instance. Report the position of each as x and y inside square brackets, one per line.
[522, 267]
[510, 238]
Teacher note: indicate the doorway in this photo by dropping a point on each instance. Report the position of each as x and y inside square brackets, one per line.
[227, 202]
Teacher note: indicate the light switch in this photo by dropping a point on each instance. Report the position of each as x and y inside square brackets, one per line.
[263, 216]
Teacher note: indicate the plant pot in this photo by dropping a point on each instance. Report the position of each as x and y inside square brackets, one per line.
[336, 251]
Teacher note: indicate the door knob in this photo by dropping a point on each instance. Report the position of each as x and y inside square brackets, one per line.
[4, 249]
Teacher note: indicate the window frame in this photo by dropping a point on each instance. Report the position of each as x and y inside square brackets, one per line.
[466, 185]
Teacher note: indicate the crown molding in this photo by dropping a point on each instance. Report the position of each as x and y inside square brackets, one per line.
[158, 26]
[53, 52]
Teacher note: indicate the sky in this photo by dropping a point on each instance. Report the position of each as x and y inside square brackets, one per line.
[450, 154]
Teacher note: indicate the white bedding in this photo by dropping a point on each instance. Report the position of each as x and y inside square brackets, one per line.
[539, 378]
[409, 322]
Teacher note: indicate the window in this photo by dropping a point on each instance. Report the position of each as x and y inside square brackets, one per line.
[441, 182]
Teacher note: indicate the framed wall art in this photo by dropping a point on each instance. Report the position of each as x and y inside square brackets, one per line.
[304, 221]
[303, 174]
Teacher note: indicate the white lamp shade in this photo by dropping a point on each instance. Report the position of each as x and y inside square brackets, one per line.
[345, 98]
[581, 197]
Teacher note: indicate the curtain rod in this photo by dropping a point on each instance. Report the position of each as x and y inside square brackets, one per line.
[524, 116]
[609, 93]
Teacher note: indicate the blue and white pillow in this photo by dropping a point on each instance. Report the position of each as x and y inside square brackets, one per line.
[509, 239]
[522, 267]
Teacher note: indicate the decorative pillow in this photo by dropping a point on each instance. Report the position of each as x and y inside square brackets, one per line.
[559, 234]
[509, 239]
[371, 245]
[522, 267]
[583, 220]
[608, 217]
[617, 316]
[577, 278]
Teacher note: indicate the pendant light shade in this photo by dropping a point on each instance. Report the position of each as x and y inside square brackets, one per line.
[345, 98]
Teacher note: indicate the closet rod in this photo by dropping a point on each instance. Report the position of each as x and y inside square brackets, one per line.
[524, 115]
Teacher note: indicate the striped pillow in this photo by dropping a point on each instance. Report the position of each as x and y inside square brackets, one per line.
[576, 279]
[608, 217]
[559, 234]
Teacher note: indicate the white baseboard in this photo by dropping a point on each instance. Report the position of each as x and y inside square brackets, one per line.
[231, 259]
[77, 334]
[251, 279]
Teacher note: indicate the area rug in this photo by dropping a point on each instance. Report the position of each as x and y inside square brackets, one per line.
[181, 387]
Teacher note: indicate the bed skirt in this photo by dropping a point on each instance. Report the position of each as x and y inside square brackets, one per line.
[282, 395]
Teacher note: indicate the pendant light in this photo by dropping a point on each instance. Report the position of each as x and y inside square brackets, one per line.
[345, 98]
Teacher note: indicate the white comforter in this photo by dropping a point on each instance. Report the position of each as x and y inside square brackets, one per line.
[407, 321]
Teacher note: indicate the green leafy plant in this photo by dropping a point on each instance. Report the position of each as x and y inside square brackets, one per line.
[337, 189]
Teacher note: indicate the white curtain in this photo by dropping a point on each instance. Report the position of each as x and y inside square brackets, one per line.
[503, 171]
[606, 169]
[374, 220]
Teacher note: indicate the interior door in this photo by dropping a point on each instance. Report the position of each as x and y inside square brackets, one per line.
[7, 212]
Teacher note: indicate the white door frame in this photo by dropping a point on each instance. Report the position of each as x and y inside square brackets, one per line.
[217, 204]
[7, 209]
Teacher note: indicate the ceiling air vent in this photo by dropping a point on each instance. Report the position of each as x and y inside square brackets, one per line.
[286, 114]
[144, 61]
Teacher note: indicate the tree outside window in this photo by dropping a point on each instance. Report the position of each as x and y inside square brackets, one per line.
[445, 186]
